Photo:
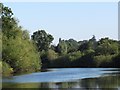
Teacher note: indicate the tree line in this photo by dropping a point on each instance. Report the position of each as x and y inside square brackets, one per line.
[72, 53]
[20, 53]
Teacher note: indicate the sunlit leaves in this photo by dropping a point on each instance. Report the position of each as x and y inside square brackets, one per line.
[17, 49]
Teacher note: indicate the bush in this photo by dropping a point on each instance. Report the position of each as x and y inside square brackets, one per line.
[89, 52]
[116, 61]
[65, 60]
[6, 69]
[74, 55]
[51, 55]
[20, 54]
[60, 62]
[86, 59]
[103, 60]
[47, 57]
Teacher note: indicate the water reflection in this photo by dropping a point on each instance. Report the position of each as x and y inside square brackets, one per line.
[102, 82]
[107, 80]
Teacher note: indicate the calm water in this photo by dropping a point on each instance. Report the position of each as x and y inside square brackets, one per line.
[67, 78]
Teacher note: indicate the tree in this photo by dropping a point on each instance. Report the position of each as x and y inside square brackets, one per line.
[6, 69]
[42, 40]
[74, 55]
[72, 45]
[103, 60]
[62, 47]
[9, 23]
[107, 46]
[17, 50]
[92, 44]
[20, 54]
[116, 61]
[47, 57]
[51, 55]
[83, 45]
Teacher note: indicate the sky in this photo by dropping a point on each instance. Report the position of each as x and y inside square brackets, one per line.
[65, 20]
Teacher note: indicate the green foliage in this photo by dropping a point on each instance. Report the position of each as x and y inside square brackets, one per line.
[92, 43]
[0, 67]
[107, 47]
[83, 45]
[89, 52]
[51, 55]
[116, 61]
[9, 24]
[72, 45]
[6, 69]
[62, 47]
[25, 35]
[62, 61]
[42, 40]
[54, 48]
[103, 60]
[88, 45]
[20, 54]
[65, 60]
[85, 60]
[0, 45]
[17, 50]
[25, 55]
[47, 57]
[74, 55]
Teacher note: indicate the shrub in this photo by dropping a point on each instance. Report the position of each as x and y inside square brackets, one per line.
[103, 60]
[74, 55]
[21, 55]
[116, 61]
[6, 69]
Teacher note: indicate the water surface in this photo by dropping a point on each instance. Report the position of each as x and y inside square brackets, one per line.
[67, 78]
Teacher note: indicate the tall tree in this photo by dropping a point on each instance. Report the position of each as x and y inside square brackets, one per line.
[62, 47]
[9, 23]
[92, 44]
[107, 46]
[42, 39]
[72, 45]
[18, 52]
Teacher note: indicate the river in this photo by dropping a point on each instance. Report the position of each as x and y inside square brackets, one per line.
[67, 78]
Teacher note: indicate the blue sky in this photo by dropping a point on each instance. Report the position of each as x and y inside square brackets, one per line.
[69, 20]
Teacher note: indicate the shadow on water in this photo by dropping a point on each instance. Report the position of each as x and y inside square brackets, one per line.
[106, 81]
